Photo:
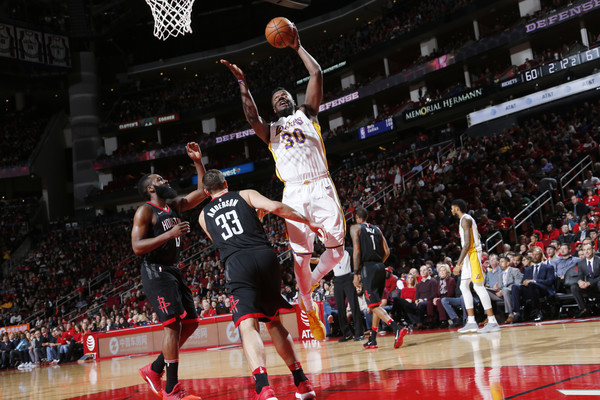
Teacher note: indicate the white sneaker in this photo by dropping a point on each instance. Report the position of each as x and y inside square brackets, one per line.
[489, 327]
[470, 327]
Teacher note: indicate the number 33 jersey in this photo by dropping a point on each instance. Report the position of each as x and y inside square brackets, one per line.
[297, 148]
[233, 225]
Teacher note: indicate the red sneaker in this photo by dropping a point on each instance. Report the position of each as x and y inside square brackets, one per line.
[266, 393]
[179, 394]
[153, 379]
[305, 391]
[400, 333]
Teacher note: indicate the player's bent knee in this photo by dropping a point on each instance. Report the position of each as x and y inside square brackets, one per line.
[464, 285]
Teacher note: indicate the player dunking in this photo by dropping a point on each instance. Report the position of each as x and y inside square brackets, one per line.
[469, 266]
[297, 147]
[156, 234]
[370, 251]
[253, 275]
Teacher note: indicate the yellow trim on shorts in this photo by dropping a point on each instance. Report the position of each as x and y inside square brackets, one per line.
[339, 203]
[317, 127]
[477, 274]
[275, 158]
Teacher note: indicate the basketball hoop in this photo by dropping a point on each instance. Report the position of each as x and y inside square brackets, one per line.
[171, 17]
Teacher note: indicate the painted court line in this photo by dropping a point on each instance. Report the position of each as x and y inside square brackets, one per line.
[580, 392]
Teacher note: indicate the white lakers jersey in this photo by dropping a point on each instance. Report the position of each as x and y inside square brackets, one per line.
[297, 148]
[476, 244]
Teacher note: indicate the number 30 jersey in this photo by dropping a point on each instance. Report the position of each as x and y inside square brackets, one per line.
[233, 225]
[297, 148]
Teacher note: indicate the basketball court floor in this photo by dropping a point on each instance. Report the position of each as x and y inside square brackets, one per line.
[548, 360]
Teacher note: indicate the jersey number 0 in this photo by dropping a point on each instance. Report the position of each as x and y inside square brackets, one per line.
[223, 221]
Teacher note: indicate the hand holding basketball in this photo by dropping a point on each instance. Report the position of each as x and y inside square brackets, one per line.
[280, 33]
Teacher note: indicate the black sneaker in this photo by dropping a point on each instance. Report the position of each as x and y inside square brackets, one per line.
[371, 343]
[358, 338]
[345, 339]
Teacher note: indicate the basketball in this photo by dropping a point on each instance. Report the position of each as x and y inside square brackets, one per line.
[279, 32]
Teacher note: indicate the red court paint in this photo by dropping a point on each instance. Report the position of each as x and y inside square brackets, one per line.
[527, 382]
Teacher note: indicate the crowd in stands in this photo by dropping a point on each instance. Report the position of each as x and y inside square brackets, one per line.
[14, 223]
[497, 176]
[400, 19]
[218, 87]
[19, 134]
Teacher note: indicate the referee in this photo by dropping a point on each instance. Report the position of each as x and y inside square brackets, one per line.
[343, 289]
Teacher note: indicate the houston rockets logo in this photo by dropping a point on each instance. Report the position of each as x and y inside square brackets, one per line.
[234, 303]
[162, 306]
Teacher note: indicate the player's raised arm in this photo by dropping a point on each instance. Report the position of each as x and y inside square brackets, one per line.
[197, 196]
[314, 90]
[257, 200]
[259, 125]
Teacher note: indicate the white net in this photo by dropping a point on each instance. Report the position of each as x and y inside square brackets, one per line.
[171, 17]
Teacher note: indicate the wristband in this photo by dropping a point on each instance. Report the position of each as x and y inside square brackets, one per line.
[356, 272]
[241, 80]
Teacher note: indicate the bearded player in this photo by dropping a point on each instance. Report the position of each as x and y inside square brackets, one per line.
[156, 236]
[300, 162]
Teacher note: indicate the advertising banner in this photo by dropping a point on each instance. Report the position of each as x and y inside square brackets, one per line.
[376, 128]
[572, 11]
[14, 328]
[534, 99]
[442, 105]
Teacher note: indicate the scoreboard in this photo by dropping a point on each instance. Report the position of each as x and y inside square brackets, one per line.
[552, 67]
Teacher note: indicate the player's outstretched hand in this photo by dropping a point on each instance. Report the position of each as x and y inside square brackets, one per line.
[193, 151]
[319, 229]
[180, 229]
[296, 41]
[235, 70]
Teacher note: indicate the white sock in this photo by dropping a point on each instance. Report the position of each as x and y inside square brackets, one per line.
[471, 319]
[492, 320]
[302, 272]
[328, 260]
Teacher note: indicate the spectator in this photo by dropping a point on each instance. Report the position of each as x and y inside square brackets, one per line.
[207, 310]
[426, 290]
[445, 288]
[6, 347]
[566, 236]
[510, 276]
[538, 282]
[588, 280]
[390, 280]
[582, 232]
[579, 209]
